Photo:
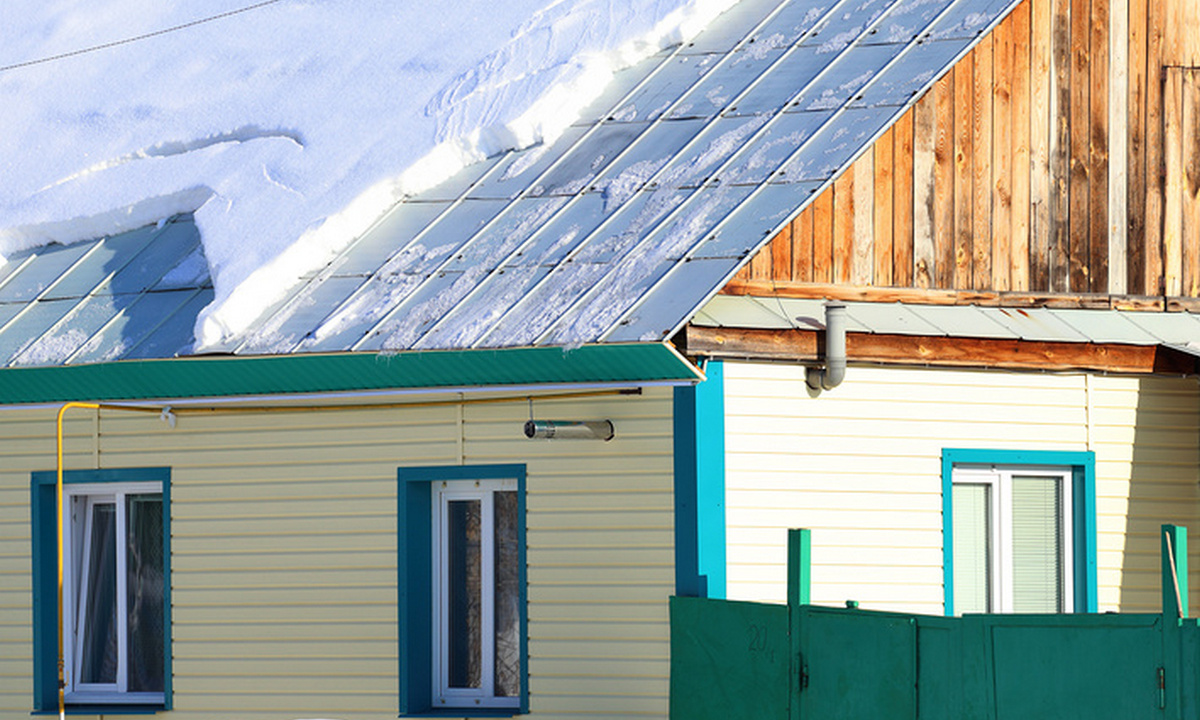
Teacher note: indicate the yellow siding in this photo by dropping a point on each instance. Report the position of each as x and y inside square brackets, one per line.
[284, 544]
[861, 466]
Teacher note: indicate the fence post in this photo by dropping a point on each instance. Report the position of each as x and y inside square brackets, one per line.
[799, 587]
[1174, 571]
[799, 592]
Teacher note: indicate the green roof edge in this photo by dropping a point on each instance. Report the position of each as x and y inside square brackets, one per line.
[232, 376]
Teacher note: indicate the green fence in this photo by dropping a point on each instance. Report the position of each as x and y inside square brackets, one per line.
[732, 660]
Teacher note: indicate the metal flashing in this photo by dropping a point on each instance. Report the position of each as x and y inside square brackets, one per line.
[211, 377]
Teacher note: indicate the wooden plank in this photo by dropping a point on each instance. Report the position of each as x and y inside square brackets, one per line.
[943, 199]
[902, 193]
[964, 167]
[1019, 256]
[1155, 175]
[1098, 68]
[1002, 169]
[1079, 221]
[760, 265]
[1135, 219]
[1039, 145]
[781, 254]
[1172, 243]
[862, 261]
[983, 298]
[843, 226]
[981, 181]
[802, 246]
[1118, 155]
[802, 345]
[884, 208]
[1060, 146]
[822, 265]
[1191, 183]
[924, 130]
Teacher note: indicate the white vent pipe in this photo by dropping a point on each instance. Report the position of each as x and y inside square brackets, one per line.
[830, 376]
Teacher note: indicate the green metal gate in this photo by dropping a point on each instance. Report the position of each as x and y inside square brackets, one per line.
[733, 660]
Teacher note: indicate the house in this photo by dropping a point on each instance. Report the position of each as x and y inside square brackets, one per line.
[310, 504]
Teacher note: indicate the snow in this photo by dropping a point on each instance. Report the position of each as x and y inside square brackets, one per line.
[289, 128]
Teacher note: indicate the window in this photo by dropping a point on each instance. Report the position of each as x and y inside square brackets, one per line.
[475, 596]
[1012, 539]
[116, 607]
[462, 590]
[1019, 532]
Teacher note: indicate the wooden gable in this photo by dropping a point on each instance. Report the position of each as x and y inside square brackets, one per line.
[1056, 163]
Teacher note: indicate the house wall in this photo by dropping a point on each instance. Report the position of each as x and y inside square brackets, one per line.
[861, 466]
[285, 538]
[1058, 156]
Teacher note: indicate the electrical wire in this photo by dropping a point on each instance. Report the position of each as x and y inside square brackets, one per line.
[137, 38]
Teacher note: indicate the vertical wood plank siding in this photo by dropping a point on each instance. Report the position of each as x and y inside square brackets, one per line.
[861, 467]
[998, 179]
[284, 544]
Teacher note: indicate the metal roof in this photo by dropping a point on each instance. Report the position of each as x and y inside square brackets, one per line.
[133, 295]
[623, 227]
[616, 232]
[1176, 329]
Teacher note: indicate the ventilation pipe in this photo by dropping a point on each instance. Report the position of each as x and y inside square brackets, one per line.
[830, 376]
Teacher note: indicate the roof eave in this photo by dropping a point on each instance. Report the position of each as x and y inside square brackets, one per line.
[309, 374]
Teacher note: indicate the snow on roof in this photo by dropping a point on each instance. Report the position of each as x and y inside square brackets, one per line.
[287, 126]
[608, 207]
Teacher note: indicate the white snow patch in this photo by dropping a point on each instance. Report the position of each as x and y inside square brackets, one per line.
[290, 129]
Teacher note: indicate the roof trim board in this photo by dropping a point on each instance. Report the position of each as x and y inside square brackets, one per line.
[226, 376]
[803, 346]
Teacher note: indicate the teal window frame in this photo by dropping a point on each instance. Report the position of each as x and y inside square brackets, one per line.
[1083, 513]
[414, 567]
[44, 541]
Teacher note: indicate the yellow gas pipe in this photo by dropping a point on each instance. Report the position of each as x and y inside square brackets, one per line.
[58, 497]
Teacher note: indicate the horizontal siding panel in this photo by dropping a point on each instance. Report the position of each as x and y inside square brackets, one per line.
[196, 635]
[285, 538]
[861, 466]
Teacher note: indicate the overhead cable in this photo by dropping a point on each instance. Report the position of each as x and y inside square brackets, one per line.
[134, 39]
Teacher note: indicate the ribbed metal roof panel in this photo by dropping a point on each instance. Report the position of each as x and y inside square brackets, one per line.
[968, 321]
[98, 300]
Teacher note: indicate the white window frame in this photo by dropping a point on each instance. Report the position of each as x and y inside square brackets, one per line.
[484, 696]
[998, 478]
[78, 499]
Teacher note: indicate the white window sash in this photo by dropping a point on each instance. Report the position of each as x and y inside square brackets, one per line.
[1000, 545]
[79, 500]
[446, 492]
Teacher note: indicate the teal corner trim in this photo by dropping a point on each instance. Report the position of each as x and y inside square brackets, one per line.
[200, 377]
[1083, 493]
[414, 570]
[44, 541]
[699, 449]
[1174, 571]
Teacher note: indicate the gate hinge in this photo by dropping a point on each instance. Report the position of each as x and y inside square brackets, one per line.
[1162, 688]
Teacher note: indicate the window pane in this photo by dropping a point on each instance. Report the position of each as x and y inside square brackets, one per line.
[98, 650]
[507, 598]
[144, 592]
[1037, 544]
[464, 599]
[972, 555]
